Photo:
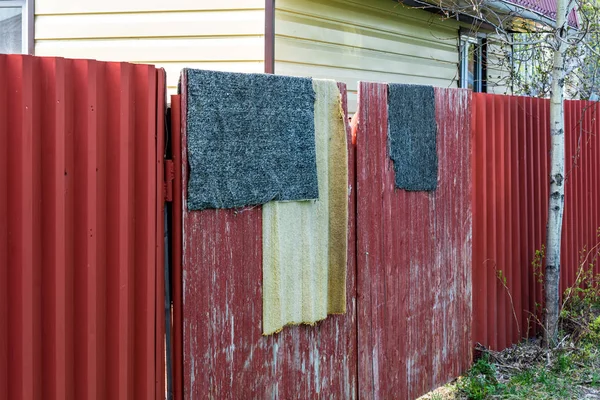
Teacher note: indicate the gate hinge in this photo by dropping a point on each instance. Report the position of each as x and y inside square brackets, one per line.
[168, 183]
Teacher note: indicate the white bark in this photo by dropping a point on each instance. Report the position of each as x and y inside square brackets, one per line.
[557, 174]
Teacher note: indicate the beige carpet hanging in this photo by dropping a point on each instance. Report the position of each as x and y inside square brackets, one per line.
[305, 242]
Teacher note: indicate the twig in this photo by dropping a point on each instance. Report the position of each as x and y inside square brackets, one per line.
[512, 304]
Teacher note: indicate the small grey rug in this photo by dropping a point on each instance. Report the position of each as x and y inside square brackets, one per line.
[412, 136]
[250, 139]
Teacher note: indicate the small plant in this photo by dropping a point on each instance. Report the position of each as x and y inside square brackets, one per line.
[500, 275]
[525, 378]
[581, 304]
[592, 336]
[538, 264]
[538, 275]
[481, 380]
[563, 364]
[594, 380]
[595, 326]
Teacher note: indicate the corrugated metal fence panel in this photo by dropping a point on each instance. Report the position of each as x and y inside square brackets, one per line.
[510, 173]
[414, 256]
[582, 186]
[160, 147]
[177, 247]
[78, 220]
[224, 352]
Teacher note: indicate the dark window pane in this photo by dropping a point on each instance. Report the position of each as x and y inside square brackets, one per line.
[10, 30]
[471, 65]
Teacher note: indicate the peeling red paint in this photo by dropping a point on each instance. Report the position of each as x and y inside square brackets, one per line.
[224, 352]
[414, 256]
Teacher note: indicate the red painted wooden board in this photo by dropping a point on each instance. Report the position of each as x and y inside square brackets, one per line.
[414, 256]
[79, 249]
[510, 191]
[225, 355]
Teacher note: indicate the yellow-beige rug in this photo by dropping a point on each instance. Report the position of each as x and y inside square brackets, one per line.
[305, 242]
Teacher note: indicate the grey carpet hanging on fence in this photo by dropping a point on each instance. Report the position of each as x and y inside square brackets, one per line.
[412, 134]
[250, 139]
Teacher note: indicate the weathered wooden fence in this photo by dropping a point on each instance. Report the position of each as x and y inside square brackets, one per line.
[511, 144]
[81, 229]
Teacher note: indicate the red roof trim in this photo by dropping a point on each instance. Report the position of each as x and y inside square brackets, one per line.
[546, 8]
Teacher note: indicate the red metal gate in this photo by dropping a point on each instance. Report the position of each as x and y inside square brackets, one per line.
[221, 352]
[81, 235]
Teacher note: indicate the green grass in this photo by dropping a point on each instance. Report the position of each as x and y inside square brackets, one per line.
[481, 381]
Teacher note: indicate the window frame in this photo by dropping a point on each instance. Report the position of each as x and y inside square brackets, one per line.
[480, 43]
[27, 22]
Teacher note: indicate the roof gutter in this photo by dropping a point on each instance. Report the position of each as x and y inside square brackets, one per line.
[434, 9]
[522, 12]
[502, 6]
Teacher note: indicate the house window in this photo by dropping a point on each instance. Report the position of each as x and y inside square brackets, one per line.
[16, 23]
[472, 63]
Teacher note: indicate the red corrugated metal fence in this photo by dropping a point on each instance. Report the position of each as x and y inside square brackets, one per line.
[510, 200]
[81, 236]
[413, 256]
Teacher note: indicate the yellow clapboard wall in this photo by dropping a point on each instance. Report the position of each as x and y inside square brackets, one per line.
[346, 40]
[498, 71]
[221, 35]
[368, 40]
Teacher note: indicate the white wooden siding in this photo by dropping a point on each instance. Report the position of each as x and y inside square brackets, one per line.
[370, 40]
[224, 35]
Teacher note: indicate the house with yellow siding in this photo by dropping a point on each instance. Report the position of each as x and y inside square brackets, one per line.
[346, 40]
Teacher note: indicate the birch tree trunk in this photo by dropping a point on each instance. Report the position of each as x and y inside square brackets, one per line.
[557, 174]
